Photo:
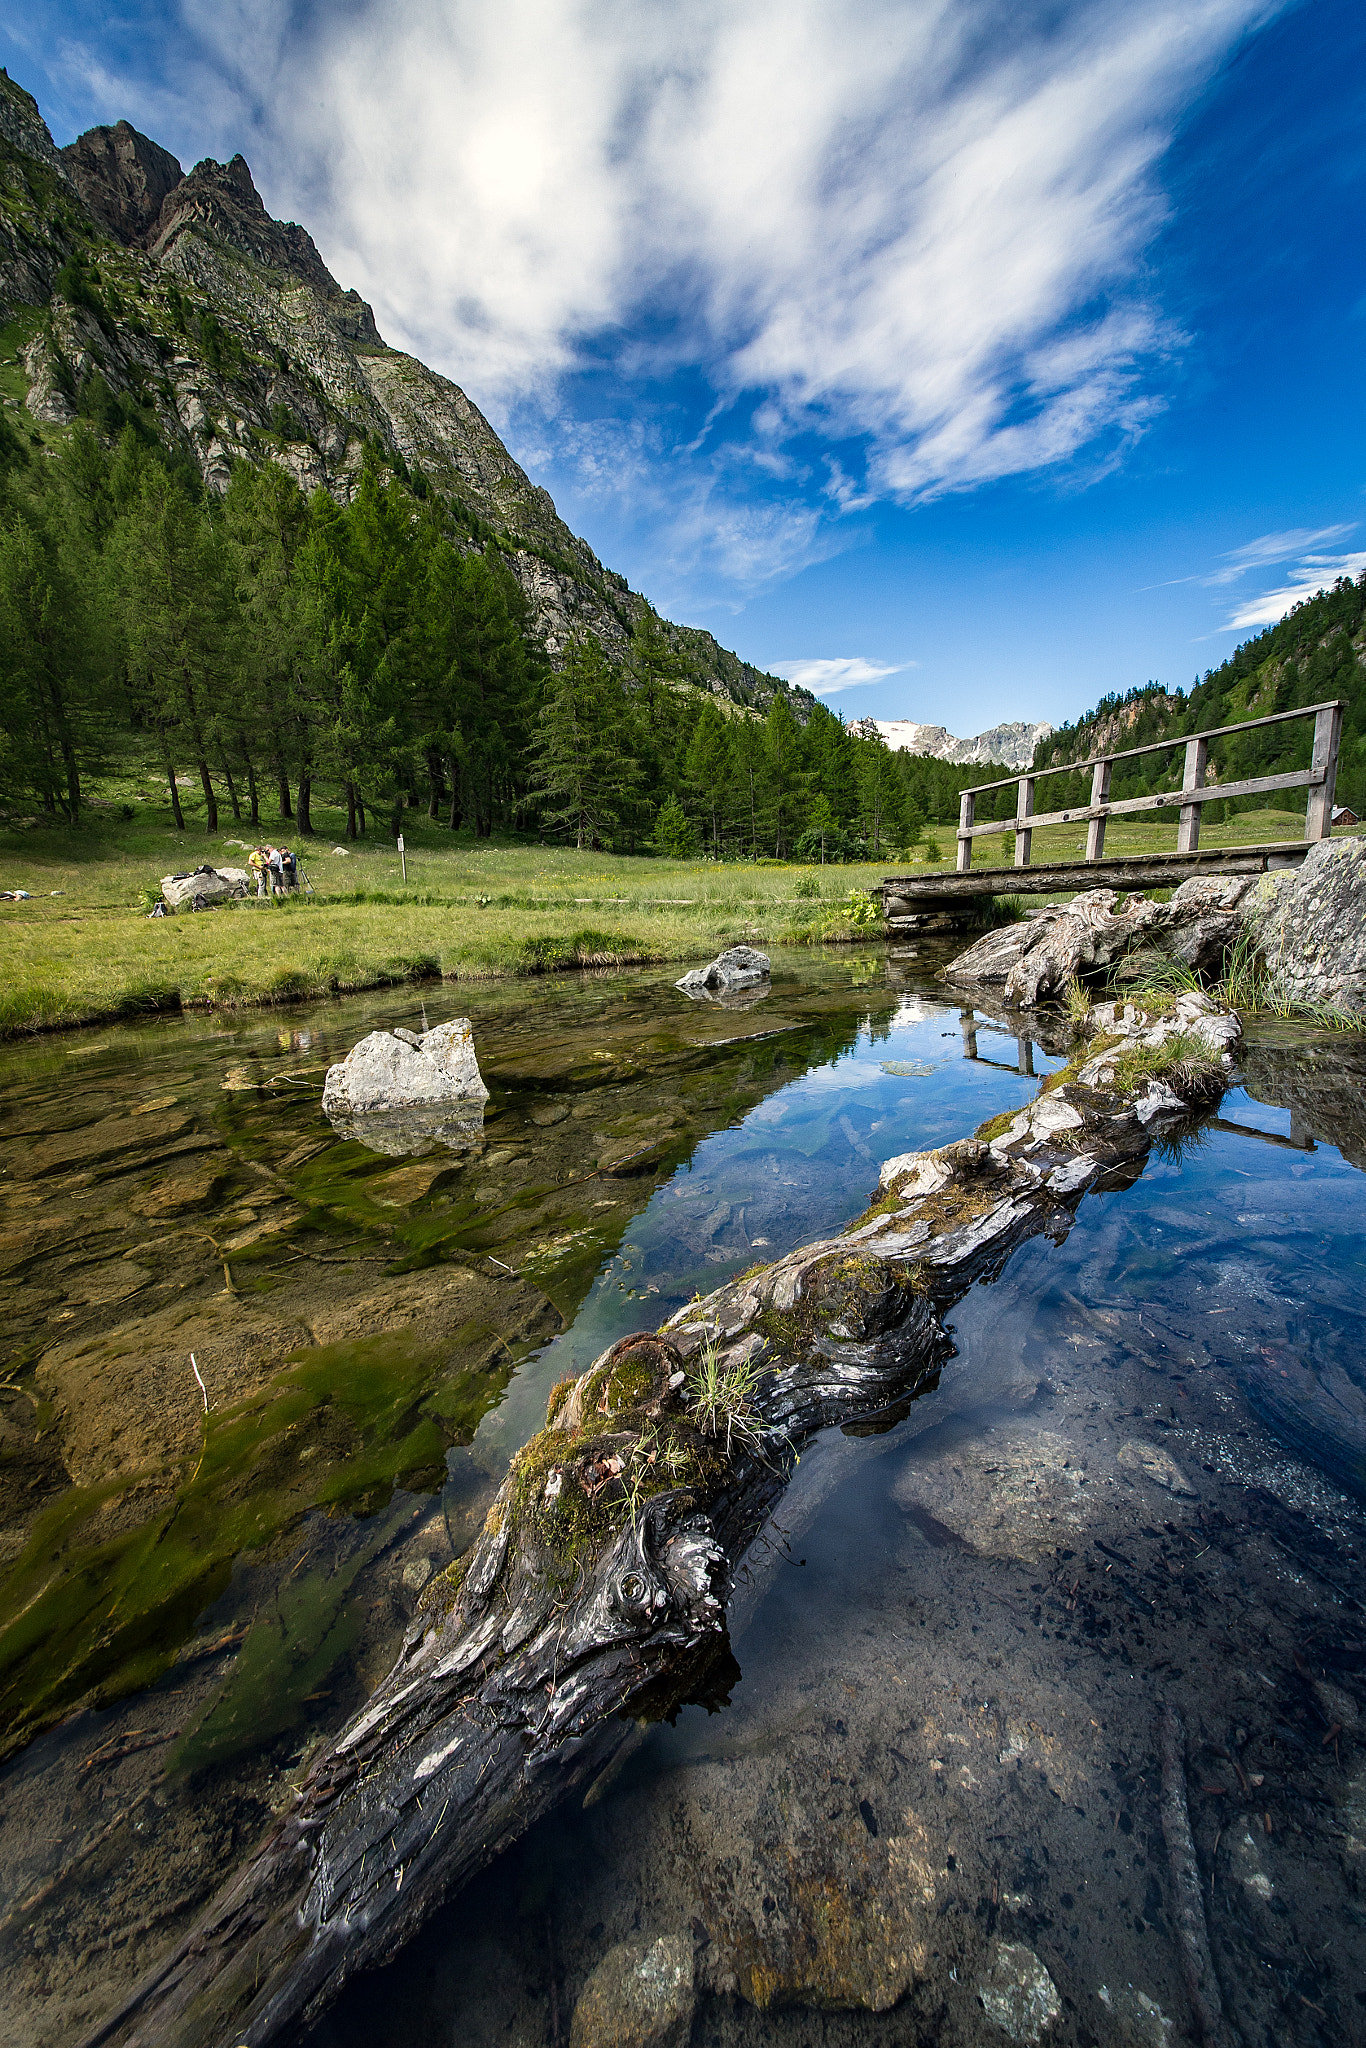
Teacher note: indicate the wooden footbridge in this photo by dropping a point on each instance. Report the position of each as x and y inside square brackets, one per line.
[906, 899]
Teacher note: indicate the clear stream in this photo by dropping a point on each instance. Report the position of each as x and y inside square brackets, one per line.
[1141, 1479]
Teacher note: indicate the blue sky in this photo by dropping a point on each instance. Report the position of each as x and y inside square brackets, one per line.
[966, 359]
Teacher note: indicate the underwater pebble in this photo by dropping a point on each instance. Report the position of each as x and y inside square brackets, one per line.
[1155, 1464]
[1018, 1994]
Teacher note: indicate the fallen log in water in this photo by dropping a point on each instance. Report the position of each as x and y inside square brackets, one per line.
[597, 1591]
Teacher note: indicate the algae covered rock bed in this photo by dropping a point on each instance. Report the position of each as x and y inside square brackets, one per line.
[199, 1601]
[196, 1595]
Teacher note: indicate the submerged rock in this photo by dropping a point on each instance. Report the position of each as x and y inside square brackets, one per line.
[1155, 1464]
[639, 1996]
[738, 967]
[1140, 2020]
[1017, 1492]
[1018, 1994]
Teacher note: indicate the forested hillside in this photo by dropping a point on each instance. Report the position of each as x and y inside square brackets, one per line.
[277, 564]
[1317, 652]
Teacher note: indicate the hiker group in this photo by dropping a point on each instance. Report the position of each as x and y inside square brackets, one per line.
[276, 870]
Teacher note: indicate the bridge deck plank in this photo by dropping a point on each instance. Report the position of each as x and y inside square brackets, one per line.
[1060, 878]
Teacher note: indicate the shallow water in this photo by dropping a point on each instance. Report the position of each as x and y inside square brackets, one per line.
[953, 1643]
[1140, 1481]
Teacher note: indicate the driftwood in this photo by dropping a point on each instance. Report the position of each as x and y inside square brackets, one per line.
[597, 1593]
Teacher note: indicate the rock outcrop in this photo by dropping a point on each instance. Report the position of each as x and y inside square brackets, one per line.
[1036, 958]
[1310, 925]
[125, 179]
[739, 967]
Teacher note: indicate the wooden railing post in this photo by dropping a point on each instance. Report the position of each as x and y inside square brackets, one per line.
[1024, 811]
[1100, 794]
[1318, 812]
[1188, 830]
[967, 810]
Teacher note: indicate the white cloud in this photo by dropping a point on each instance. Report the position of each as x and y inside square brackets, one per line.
[844, 672]
[912, 228]
[1277, 547]
[1313, 573]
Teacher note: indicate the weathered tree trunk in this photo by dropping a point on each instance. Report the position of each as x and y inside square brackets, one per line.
[210, 797]
[232, 790]
[176, 811]
[304, 802]
[349, 791]
[598, 1588]
[252, 792]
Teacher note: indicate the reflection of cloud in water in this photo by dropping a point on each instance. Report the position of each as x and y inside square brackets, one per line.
[844, 1074]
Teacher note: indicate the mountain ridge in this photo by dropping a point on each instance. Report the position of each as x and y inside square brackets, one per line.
[1008, 746]
[130, 288]
[1316, 653]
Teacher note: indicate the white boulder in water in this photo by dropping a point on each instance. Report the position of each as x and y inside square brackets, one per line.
[398, 1070]
[738, 967]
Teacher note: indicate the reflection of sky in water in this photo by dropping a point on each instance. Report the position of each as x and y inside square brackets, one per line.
[1006, 1700]
[801, 1165]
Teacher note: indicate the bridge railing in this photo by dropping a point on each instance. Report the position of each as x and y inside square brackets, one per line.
[1320, 778]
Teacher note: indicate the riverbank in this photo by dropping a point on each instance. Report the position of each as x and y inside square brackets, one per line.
[83, 950]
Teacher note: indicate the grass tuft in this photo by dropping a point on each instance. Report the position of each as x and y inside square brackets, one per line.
[723, 1398]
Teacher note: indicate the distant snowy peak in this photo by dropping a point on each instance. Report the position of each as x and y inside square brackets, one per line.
[1010, 745]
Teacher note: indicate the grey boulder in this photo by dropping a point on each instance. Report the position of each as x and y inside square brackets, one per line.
[738, 967]
[1309, 923]
[1035, 959]
[216, 885]
[401, 1075]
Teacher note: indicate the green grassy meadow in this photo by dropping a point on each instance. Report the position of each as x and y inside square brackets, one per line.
[83, 949]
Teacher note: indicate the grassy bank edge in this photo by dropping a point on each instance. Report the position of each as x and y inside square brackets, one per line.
[29, 1009]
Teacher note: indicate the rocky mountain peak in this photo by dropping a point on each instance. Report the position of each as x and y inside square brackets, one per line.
[124, 178]
[221, 201]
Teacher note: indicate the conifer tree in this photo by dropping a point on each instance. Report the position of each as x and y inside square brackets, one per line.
[880, 799]
[780, 744]
[175, 595]
[582, 777]
[708, 766]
